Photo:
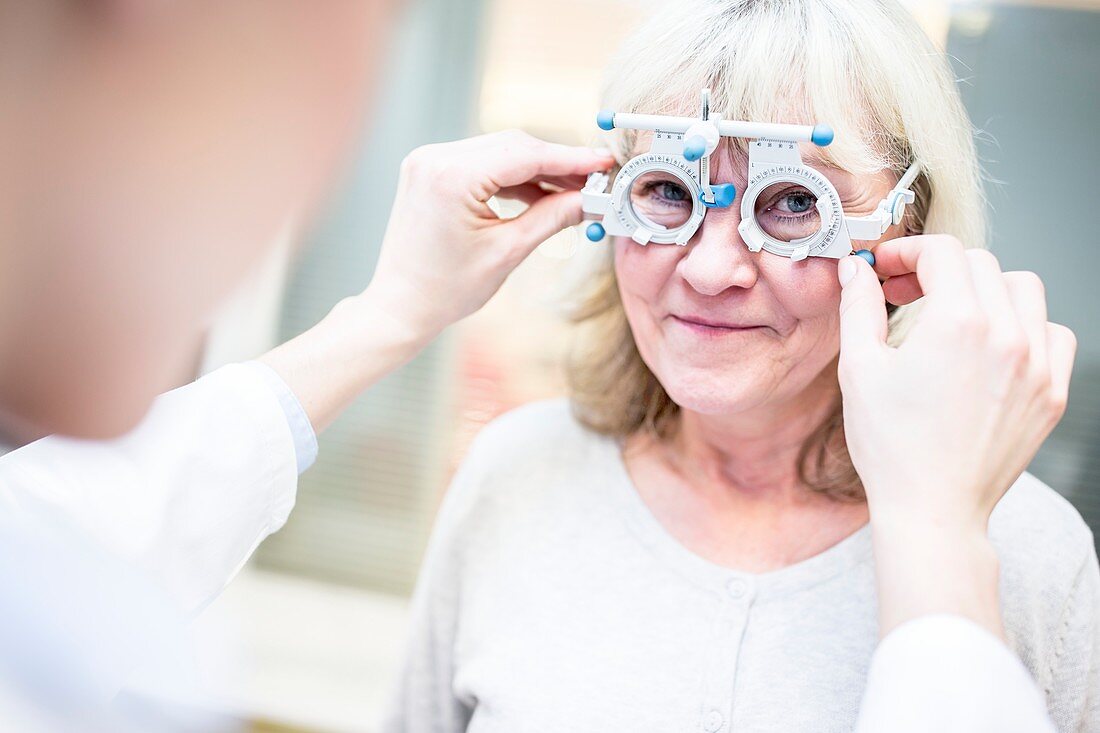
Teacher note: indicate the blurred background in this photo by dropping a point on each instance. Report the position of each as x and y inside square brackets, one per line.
[320, 612]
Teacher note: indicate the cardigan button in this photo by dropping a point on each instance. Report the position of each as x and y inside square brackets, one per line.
[737, 588]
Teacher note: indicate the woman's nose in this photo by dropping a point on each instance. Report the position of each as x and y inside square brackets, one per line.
[717, 259]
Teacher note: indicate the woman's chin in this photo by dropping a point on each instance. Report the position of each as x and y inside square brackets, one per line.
[716, 395]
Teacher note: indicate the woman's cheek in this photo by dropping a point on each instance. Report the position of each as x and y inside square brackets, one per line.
[807, 289]
[644, 271]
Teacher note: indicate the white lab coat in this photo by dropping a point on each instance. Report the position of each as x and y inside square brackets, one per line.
[212, 471]
[187, 496]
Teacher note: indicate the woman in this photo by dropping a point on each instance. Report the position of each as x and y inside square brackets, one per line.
[688, 547]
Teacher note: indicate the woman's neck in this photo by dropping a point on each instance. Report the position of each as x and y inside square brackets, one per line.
[753, 454]
[728, 487]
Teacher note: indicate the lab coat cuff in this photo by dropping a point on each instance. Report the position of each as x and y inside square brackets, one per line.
[943, 672]
[305, 439]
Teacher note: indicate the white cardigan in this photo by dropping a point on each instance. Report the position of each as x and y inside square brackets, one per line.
[552, 600]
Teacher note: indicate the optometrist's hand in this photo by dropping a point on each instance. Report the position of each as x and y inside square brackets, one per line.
[445, 253]
[940, 427]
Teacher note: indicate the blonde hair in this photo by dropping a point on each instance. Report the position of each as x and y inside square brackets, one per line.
[863, 66]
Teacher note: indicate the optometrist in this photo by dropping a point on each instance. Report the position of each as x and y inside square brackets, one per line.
[139, 193]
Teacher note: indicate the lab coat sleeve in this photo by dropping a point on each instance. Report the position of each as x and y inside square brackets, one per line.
[946, 674]
[190, 493]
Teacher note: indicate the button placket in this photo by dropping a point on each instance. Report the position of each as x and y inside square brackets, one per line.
[735, 600]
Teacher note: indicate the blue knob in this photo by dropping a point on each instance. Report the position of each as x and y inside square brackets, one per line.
[867, 255]
[595, 231]
[822, 135]
[694, 147]
[724, 194]
[605, 119]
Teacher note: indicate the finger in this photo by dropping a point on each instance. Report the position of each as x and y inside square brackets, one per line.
[1029, 301]
[891, 260]
[1061, 349]
[546, 217]
[902, 289]
[520, 159]
[514, 138]
[528, 193]
[939, 262]
[538, 187]
[862, 309]
[992, 291]
[565, 183]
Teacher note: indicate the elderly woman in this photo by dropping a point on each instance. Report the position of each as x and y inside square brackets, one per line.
[685, 544]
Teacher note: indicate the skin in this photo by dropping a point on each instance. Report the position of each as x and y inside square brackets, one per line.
[756, 349]
[150, 153]
[420, 287]
[727, 486]
[938, 445]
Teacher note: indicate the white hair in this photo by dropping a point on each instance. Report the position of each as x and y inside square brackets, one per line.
[865, 67]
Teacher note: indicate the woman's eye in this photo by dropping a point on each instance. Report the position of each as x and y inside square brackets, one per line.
[662, 201]
[796, 202]
[671, 192]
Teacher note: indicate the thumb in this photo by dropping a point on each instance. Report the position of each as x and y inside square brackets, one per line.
[543, 219]
[862, 307]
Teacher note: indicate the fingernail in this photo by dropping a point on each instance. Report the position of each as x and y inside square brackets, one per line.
[846, 270]
[604, 152]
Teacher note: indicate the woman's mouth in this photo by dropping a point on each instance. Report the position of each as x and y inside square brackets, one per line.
[712, 327]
